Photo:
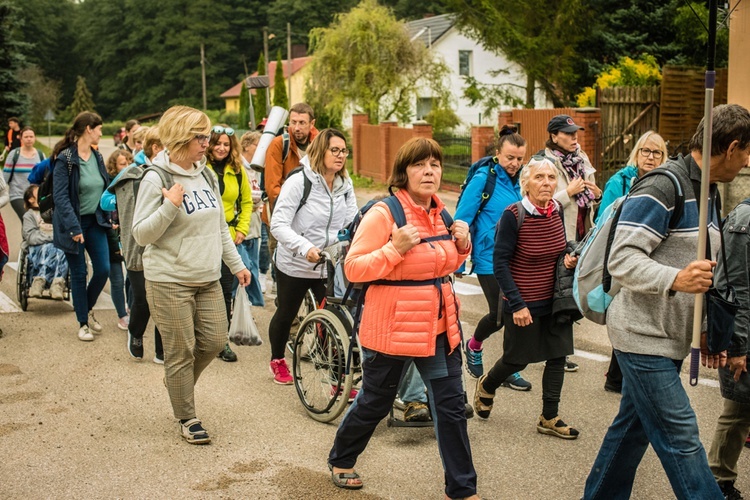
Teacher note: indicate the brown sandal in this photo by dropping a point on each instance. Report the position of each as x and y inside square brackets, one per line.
[341, 479]
[483, 400]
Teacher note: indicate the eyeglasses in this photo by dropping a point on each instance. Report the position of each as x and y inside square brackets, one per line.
[218, 129]
[645, 152]
[339, 151]
[202, 138]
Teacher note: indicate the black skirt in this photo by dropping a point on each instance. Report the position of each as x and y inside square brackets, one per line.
[541, 340]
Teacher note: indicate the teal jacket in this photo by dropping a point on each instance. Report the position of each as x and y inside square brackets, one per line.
[618, 185]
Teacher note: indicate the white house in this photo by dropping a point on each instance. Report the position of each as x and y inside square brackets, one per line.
[465, 57]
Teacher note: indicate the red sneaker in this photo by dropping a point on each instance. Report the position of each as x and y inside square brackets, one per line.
[280, 372]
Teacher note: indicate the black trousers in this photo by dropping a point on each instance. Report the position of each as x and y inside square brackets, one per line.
[140, 312]
[490, 323]
[290, 292]
[442, 377]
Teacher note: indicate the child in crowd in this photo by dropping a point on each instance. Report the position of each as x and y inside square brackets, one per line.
[47, 264]
[115, 164]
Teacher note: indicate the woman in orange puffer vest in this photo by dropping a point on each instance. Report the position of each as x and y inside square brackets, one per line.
[410, 313]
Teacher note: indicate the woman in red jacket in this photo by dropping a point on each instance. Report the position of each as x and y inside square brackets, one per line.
[410, 313]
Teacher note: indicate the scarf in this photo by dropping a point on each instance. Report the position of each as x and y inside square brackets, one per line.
[547, 212]
[573, 165]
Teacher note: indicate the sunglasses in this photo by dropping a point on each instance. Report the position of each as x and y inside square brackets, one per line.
[218, 129]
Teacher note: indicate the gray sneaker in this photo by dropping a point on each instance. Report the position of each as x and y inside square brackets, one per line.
[95, 326]
[37, 287]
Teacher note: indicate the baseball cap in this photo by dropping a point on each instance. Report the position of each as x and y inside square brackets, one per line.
[562, 123]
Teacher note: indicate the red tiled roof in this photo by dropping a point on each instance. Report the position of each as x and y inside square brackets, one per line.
[297, 64]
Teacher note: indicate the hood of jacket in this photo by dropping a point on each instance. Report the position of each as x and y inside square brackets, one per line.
[162, 160]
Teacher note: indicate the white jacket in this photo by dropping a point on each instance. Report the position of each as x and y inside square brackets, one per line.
[316, 224]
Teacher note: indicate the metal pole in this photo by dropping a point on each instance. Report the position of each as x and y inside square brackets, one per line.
[289, 60]
[695, 353]
[265, 55]
[253, 125]
[203, 76]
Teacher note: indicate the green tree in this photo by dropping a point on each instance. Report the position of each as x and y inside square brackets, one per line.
[13, 102]
[280, 97]
[259, 99]
[365, 58]
[82, 99]
[43, 93]
[538, 35]
[244, 114]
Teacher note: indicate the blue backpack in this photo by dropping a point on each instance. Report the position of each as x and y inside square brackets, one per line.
[593, 287]
[491, 164]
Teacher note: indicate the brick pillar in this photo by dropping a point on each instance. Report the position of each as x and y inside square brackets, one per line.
[357, 120]
[504, 118]
[384, 170]
[422, 129]
[590, 119]
[482, 136]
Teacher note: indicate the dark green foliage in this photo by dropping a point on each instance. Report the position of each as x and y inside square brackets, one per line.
[82, 100]
[280, 97]
[13, 102]
[244, 114]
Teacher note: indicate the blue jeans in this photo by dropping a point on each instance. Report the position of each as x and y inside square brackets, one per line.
[117, 288]
[654, 409]
[249, 252]
[412, 388]
[264, 259]
[95, 243]
[48, 262]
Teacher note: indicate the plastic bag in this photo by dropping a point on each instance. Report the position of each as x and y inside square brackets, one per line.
[243, 330]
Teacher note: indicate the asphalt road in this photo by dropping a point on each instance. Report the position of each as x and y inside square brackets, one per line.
[84, 420]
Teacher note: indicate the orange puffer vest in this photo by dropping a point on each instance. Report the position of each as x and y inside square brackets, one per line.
[405, 320]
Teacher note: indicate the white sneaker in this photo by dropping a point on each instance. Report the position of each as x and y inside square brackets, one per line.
[84, 333]
[262, 281]
[37, 287]
[94, 325]
[57, 289]
[123, 323]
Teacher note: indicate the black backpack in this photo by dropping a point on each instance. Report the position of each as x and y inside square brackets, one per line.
[16, 156]
[46, 189]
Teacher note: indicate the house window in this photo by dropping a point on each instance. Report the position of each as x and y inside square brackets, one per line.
[424, 106]
[464, 62]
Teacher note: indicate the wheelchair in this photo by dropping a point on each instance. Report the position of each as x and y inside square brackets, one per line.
[23, 281]
[324, 371]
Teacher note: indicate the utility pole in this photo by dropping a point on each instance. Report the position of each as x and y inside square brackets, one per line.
[289, 60]
[203, 76]
[265, 54]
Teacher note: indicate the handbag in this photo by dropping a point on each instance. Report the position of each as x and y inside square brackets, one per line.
[243, 330]
[721, 304]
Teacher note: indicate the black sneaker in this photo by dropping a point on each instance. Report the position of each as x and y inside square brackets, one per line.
[610, 386]
[729, 491]
[227, 354]
[135, 347]
[570, 366]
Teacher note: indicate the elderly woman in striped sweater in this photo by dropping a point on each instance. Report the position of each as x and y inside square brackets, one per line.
[524, 264]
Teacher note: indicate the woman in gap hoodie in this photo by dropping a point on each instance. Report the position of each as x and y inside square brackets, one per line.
[179, 219]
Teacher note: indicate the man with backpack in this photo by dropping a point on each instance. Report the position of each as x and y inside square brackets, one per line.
[284, 155]
[650, 320]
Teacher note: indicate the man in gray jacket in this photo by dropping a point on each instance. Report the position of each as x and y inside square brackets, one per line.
[650, 321]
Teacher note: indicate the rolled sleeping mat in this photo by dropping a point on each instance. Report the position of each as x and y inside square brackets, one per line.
[276, 120]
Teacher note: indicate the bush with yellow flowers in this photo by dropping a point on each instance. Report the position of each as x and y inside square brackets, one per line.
[628, 72]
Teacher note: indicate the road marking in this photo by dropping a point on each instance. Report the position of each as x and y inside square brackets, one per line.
[13, 265]
[708, 382]
[467, 289]
[591, 355]
[7, 305]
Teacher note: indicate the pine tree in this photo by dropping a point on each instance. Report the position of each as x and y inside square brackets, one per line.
[259, 100]
[82, 99]
[13, 101]
[244, 113]
[280, 97]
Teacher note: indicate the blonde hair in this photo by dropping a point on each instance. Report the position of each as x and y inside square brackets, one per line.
[316, 152]
[140, 134]
[150, 141]
[535, 163]
[179, 125]
[112, 160]
[249, 138]
[633, 159]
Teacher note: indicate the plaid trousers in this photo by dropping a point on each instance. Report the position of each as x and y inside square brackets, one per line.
[193, 325]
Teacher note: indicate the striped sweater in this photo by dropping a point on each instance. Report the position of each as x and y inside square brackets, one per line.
[525, 259]
[645, 317]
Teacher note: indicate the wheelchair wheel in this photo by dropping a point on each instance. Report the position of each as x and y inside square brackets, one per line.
[22, 290]
[309, 304]
[319, 365]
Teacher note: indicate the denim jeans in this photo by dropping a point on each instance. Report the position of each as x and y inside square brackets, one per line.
[117, 288]
[654, 409]
[411, 387]
[47, 261]
[264, 259]
[95, 244]
[249, 252]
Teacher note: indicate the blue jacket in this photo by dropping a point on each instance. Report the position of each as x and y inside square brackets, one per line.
[618, 185]
[39, 171]
[66, 219]
[482, 226]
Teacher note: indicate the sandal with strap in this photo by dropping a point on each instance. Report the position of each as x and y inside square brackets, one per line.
[193, 432]
[483, 400]
[341, 479]
[556, 427]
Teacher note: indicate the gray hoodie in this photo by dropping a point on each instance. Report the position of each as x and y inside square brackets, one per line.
[184, 244]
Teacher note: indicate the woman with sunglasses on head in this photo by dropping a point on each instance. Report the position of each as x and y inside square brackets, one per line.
[649, 152]
[223, 155]
[303, 229]
[186, 238]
